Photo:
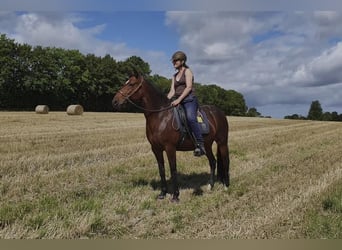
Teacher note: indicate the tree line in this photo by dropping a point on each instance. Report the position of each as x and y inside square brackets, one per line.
[316, 113]
[57, 77]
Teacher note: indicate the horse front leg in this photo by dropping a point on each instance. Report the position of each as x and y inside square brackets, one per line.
[171, 155]
[158, 153]
[212, 163]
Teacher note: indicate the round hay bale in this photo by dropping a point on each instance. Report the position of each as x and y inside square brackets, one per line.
[75, 110]
[42, 109]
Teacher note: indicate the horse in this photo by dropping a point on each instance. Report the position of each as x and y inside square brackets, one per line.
[162, 135]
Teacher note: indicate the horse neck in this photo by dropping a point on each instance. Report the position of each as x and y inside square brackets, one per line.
[153, 99]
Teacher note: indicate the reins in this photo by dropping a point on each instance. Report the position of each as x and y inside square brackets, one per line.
[148, 110]
[127, 97]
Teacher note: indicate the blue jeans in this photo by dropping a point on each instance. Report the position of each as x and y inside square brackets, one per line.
[190, 105]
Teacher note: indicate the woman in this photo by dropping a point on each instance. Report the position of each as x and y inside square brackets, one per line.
[182, 92]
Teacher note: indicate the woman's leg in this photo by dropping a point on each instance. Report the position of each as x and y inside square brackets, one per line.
[191, 114]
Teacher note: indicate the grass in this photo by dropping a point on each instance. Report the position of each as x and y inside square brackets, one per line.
[94, 176]
[325, 219]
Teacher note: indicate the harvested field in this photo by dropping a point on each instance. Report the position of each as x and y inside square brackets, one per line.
[94, 176]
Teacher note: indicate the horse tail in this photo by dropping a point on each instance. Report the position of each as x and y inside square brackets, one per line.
[218, 121]
[223, 160]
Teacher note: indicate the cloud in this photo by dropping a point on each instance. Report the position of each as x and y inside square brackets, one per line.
[326, 24]
[273, 58]
[323, 70]
[60, 29]
[157, 5]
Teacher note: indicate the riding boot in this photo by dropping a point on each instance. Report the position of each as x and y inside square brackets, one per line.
[199, 150]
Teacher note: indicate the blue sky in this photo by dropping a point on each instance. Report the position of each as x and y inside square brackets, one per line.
[145, 30]
[279, 60]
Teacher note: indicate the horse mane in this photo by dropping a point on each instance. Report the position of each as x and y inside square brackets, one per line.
[160, 95]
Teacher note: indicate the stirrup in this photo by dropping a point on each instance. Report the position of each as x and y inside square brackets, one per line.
[199, 151]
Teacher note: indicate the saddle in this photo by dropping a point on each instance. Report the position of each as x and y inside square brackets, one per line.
[182, 124]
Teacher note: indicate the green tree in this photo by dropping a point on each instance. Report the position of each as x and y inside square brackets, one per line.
[7, 48]
[326, 116]
[229, 101]
[316, 111]
[252, 112]
[335, 116]
[14, 71]
[235, 103]
[161, 82]
[135, 64]
[295, 117]
[103, 80]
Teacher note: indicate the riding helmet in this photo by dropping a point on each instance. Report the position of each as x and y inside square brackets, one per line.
[179, 55]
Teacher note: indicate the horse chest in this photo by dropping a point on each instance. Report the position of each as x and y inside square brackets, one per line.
[160, 131]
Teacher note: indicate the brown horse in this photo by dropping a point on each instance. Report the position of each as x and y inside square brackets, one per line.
[163, 136]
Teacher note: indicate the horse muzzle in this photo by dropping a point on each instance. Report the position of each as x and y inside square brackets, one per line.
[118, 103]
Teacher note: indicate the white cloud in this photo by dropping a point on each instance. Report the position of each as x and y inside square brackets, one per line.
[271, 57]
[323, 70]
[57, 29]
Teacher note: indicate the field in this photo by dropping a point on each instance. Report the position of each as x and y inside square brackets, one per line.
[94, 176]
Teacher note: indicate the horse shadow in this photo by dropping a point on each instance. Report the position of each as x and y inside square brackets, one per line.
[192, 181]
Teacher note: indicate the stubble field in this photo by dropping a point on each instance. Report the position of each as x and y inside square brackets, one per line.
[94, 176]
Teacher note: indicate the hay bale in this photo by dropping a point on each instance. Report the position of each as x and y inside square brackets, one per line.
[75, 110]
[42, 109]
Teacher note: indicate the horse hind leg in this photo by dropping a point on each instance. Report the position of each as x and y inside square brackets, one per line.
[223, 163]
[227, 172]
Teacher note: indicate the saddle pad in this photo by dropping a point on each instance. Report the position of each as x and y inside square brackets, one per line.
[180, 118]
[203, 121]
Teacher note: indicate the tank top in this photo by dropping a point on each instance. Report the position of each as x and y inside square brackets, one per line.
[181, 84]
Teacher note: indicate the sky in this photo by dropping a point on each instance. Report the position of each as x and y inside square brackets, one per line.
[280, 58]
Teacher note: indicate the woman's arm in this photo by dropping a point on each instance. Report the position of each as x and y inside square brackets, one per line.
[172, 89]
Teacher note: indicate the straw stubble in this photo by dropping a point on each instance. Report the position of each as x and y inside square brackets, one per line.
[96, 177]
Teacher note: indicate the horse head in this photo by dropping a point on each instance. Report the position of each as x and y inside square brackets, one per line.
[130, 91]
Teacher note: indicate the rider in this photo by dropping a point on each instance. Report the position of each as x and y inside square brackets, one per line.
[182, 92]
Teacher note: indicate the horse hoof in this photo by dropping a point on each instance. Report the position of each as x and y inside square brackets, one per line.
[225, 188]
[174, 199]
[210, 187]
[161, 196]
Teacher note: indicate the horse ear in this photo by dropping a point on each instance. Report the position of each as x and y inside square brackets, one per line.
[133, 71]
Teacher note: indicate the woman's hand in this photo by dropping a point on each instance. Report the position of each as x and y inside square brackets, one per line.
[175, 102]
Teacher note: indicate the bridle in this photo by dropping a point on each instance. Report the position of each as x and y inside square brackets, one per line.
[127, 97]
